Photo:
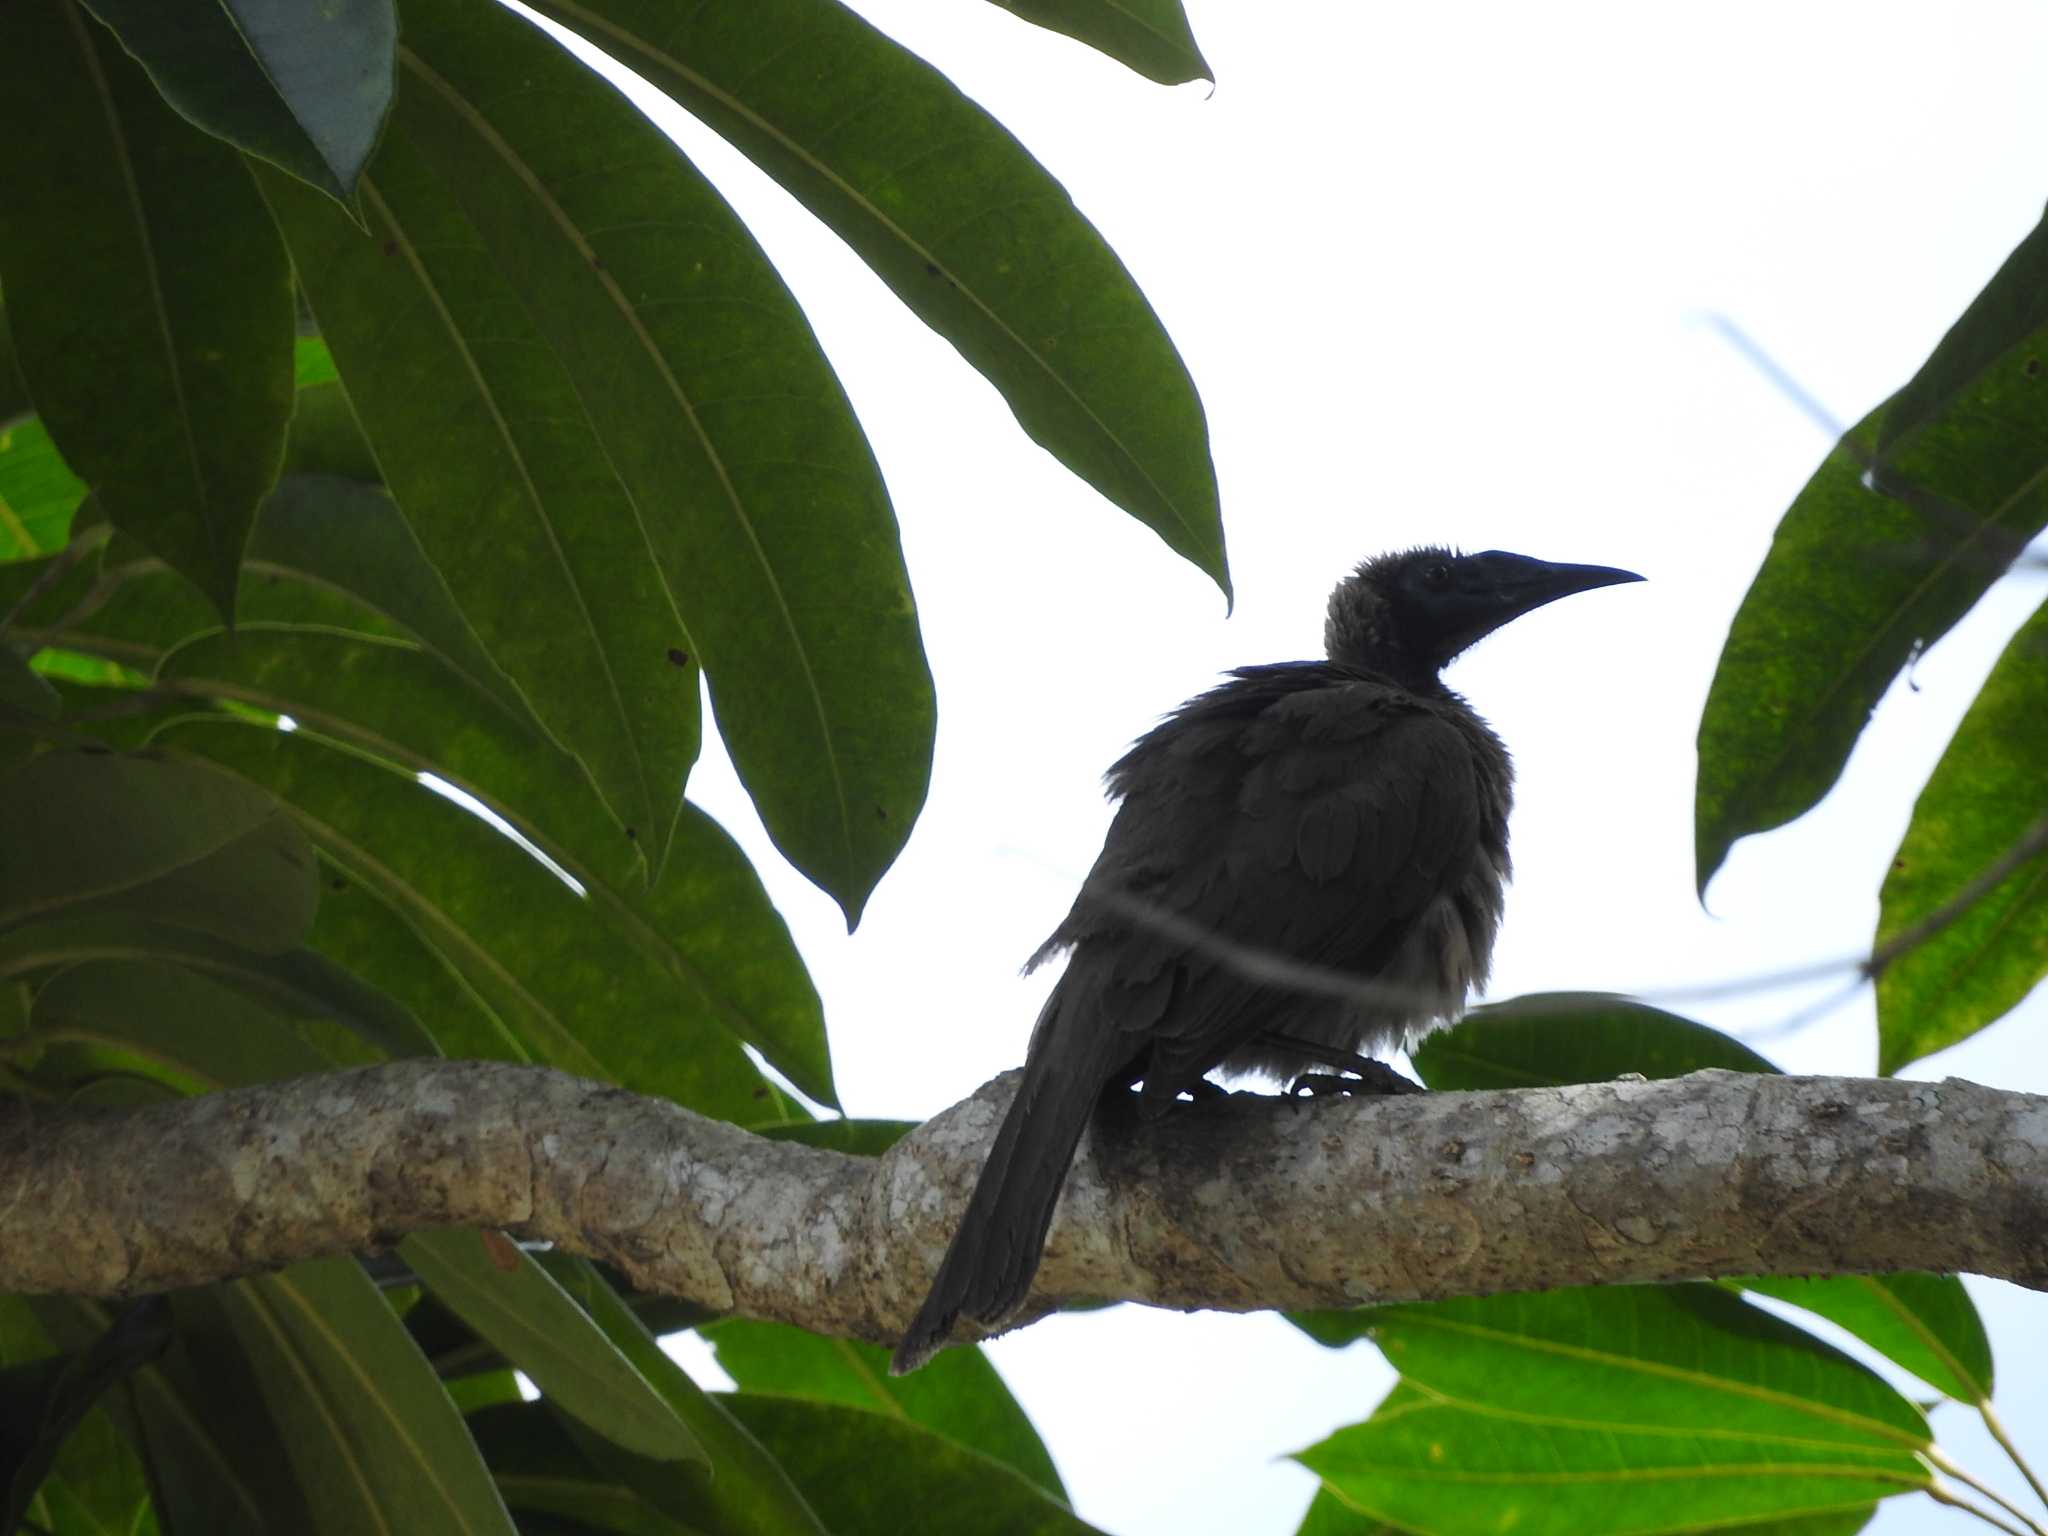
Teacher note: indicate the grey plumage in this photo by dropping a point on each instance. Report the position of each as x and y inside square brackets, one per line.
[1347, 817]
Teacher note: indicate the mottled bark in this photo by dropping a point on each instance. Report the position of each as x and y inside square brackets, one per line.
[1241, 1203]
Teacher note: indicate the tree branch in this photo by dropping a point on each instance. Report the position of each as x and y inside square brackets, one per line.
[1243, 1203]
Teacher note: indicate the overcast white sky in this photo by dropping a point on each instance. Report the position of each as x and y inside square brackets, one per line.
[1440, 274]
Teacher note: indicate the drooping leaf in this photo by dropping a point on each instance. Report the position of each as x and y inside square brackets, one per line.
[1982, 799]
[1548, 1039]
[958, 1397]
[748, 1491]
[510, 1300]
[1149, 36]
[303, 83]
[362, 1415]
[705, 925]
[1897, 534]
[1623, 1409]
[957, 218]
[149, 296]
[1925, 1323]
[553, 1487]
[758, 499]
[173, 841]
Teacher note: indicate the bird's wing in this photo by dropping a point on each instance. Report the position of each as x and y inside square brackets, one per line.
[1292, 814]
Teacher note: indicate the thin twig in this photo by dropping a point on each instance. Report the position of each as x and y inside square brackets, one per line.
[59, 567]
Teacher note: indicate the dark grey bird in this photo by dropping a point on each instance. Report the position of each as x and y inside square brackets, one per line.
[1301, 823]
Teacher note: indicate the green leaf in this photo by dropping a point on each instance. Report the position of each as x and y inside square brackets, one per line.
[758, 499]
[705, 924]
[38, 492]
[363, 1418]
[956, 217]
[554, 981]
[1897, 534]
[859, 1138]
[1925, 1323]
[1548, 1039]
[173, 841]
[748, 1492]
[1625, 1409]
[150, 298]
[510, 1300]
[303, 83]
[552, 1486]
[862, 1471]
[958, 1397]
[298, 983]
[1149, 36]
[1983, 797]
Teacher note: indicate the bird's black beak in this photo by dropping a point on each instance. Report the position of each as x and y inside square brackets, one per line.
[1497, 588]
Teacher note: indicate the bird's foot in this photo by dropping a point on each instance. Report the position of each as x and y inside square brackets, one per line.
[1366, 1077]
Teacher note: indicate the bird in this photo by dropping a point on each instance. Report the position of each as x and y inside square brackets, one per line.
[1300, 823]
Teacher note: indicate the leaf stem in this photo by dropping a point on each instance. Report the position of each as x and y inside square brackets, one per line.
[1941, 1493]
[1937, 1458]
[1992, 1423]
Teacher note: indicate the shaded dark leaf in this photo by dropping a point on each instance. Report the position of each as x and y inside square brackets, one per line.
[958, 219]
[149, 296]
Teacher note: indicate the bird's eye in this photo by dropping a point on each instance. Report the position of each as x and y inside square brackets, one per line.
[1436, 576]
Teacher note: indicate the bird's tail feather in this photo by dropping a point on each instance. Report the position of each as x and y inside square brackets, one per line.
[988, 1268]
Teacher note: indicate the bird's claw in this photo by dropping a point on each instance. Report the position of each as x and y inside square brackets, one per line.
[1368, 1079]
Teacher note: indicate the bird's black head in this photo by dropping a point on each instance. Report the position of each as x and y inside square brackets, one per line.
[1408, 614]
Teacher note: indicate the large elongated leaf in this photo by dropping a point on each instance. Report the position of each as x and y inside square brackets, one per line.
[1984, 796]
[958, 1397]
[1149, 36]
[478, 440]
[303, 84]
[363, 1417]
[505, 1295]
[705, 924]
[1897, 534]
[556, 985]
[1618, 1409]
[149, 296]
[957, 218]
[756, 494]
